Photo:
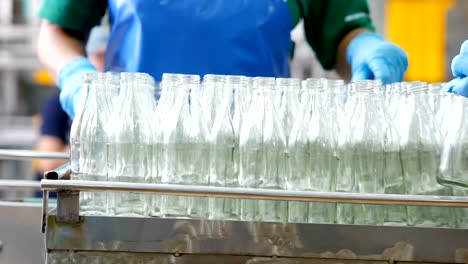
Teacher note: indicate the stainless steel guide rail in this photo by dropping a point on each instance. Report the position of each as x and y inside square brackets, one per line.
[15, 154]
[74, 237]
[19, 185]
[251, 193]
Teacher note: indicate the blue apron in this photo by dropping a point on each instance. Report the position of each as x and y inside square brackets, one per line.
[239, 37]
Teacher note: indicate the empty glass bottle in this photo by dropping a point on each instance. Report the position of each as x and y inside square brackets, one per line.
[394, 182]
[289, 105]
[454, 160]
[185, 146]
[461, 214]
[241, 87]
[434, 97]
[93, 149]
[420, 155]
[75, 131]
[263, 154]
[130, 144]
[298, 177]
[394, 99]
[222, 161]
[361, 150]
[169, 84]
[212, 88]
[322, 158]
[444, 114]
[197, 151]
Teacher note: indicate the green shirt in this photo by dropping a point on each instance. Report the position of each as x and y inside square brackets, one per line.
[326, 22]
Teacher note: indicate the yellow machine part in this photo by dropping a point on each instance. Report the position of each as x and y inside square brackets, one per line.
[420, 27]
[42, 77]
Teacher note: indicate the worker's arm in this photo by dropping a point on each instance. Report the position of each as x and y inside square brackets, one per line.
[61, 44]
[52, 144]
[56, 47]
[54, 131]
[341, 34]
[342, 67]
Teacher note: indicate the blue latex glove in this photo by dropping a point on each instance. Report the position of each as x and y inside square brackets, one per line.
[69, 82]
[372, 57]
[459, 70]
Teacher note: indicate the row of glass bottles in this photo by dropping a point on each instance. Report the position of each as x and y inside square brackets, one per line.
[235, 131]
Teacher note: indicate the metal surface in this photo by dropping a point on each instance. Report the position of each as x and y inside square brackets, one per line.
[19, 185]
[184, 236]
[112, 257]
[59, 173]
[250, 193]
[31, 154]
[45, 210]
[68, 206]
[22, 240]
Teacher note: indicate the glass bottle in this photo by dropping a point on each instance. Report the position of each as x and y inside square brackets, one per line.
[275, 155]
[289, 105]
[177, 162]
[197, 150]
[461, 213]
[130, 144]
[322, 157]
[454, 160]
[334, 93]
[361, 156]
[263, 153]
[212, 88]
[444, 114]
[93, 151]
[298, 177]
[434, 97]
[395, 99]
[241, 87]
[420, 156]
[222, 160]
[279, 93]
[169, 85]
[394, 182]
[75, 131]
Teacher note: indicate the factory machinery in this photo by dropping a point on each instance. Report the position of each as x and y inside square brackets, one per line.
[73, 238]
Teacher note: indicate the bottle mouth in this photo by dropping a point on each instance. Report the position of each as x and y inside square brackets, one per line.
[264, 83]
[335, 85]
[239, 81]
[289, 83]
[313, 84]
[415, 87]
[213, 78]
[189, 79]
[366, 87]
[170, 77]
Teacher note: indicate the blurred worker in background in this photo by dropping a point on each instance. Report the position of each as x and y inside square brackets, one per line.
[245, 37]
[459, 85]
[55, 123]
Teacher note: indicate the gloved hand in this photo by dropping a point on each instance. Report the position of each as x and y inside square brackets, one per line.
[372, 57]
[459, 70]
[69, 82]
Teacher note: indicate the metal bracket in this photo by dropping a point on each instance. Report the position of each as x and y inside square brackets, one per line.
[45, 209]
[68, 206]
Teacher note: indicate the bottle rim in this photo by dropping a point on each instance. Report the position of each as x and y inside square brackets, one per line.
[290, 83]
[313, 84]
[264, 82]
[213, 78]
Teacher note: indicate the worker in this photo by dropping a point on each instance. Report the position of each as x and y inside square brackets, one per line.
[459, 85]
[242, 37]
